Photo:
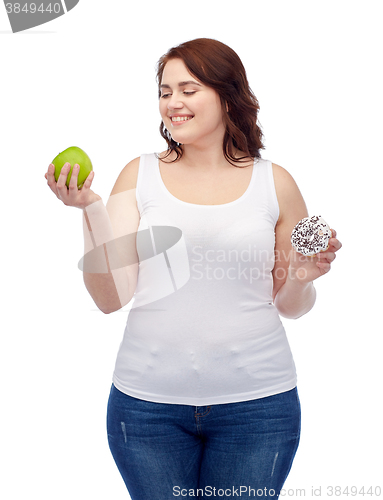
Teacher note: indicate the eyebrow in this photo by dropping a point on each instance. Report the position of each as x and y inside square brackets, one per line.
[181, 84]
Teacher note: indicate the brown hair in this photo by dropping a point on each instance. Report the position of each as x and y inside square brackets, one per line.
[216, 65]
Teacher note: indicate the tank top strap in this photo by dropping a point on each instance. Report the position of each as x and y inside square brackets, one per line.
[147, 183]
[263, 194]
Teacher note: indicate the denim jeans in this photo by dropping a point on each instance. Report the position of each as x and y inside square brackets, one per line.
[168, 451]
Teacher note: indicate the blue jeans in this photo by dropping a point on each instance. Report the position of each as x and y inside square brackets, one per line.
[164, 451]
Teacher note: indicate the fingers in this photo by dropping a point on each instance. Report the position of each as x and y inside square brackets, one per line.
[73, 180]
[326, 257]
[71, 195]
[334, 243]
[324, 260]
[61, 181]
[324, 266]
[50, 174]
[50, 177]
[62, 190]
[88, 181]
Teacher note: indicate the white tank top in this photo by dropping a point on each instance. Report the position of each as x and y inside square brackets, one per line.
[203, 328]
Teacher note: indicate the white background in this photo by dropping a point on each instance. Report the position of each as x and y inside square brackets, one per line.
[88, 79]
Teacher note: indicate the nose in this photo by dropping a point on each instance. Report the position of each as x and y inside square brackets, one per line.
[174, 102]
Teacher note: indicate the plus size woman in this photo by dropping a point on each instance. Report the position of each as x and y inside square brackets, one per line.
[204, 398]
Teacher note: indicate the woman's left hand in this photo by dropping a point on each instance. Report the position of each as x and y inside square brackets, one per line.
[307, 269]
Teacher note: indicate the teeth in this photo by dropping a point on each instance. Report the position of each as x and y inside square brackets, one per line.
[180, 118]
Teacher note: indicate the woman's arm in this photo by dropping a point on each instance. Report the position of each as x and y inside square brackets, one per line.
[110, 268]
[295, 299]
[293, 291]
[110, 283]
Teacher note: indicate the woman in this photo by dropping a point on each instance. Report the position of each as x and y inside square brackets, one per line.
[204, 399]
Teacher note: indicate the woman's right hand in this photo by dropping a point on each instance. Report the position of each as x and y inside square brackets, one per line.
[72, 196]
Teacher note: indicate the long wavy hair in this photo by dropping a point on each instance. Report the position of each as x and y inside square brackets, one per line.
[217, 66]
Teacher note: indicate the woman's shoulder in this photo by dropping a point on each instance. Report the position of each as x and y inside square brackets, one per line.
[287, 191]
[281, 173]
[127, 178]
[283, 180]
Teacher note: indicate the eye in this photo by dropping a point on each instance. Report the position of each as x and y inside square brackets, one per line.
[164, 96]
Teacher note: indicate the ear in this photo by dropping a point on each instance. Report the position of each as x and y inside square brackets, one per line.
[227, 107]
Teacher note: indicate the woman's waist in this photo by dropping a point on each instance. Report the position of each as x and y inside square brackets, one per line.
[191, 326]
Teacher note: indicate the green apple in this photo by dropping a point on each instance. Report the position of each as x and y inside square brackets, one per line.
[73, 155]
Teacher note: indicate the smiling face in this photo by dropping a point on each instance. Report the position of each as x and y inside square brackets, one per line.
[190, 110]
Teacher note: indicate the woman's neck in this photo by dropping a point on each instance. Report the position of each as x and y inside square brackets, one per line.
[207, 159]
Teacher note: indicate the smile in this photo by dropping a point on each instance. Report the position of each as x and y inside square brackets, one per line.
[180, 118]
